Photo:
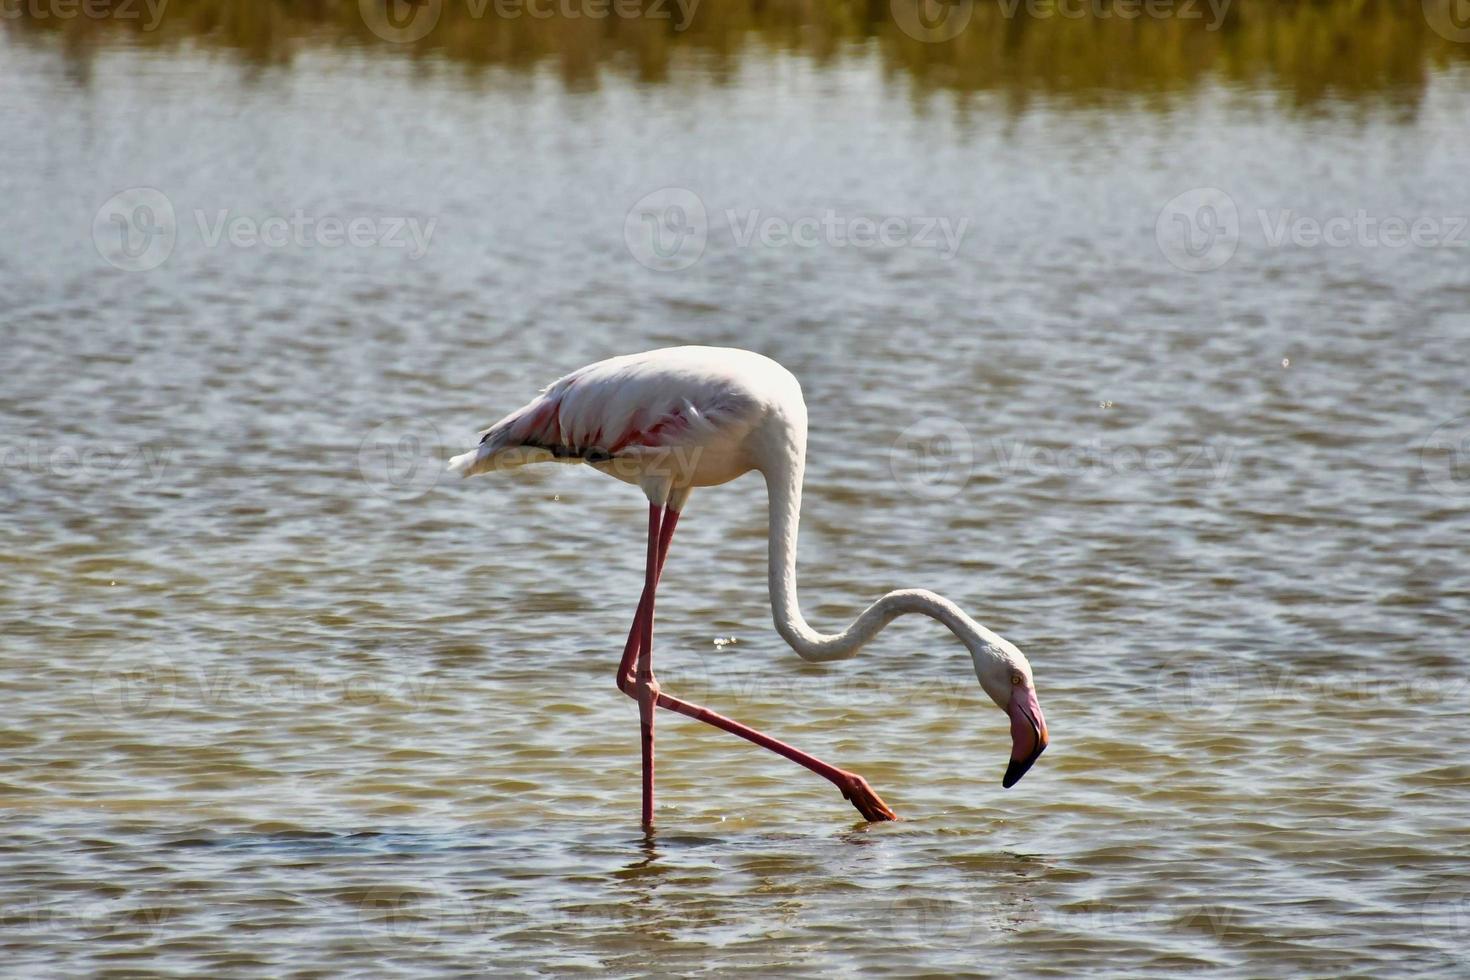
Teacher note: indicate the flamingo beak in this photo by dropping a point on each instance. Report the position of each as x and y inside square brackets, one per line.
[1028, 734]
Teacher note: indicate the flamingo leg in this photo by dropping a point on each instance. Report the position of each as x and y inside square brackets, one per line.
[635, 678]
[853, 787]
[635, 672]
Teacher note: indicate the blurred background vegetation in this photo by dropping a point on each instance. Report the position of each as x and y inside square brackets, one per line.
[1082, 50]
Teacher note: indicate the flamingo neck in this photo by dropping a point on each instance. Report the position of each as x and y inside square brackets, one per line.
[783, 486]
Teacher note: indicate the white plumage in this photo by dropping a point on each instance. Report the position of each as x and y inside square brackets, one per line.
[684, 417]
[680, 414]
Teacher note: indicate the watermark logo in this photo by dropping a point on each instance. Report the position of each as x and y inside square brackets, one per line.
[141, 682]
[61, 917]
[136, 230]
[933, 458]
[1362, 230]
[89, 9]
[1210, 692]
[932, 21]
[402, 459]
[303, 230]
[1199, 230]
[1120, 10]
[1445, 458]
[726, 681]
[681, 673]
[835, 230]
[1203, 693]
[1450, 19]
[134, 682]
[667, 230]
[1099, 459]
[407, 21]
[936, 21]
[401, 21]
[395, 916]
[935, 922]
[87, 462]
[1445, 919]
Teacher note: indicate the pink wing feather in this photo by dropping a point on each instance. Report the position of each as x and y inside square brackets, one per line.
[616, 407]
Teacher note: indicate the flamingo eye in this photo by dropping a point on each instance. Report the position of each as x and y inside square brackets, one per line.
[1016, 678]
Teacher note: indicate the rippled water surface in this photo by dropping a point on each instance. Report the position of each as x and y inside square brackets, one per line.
[279, 701]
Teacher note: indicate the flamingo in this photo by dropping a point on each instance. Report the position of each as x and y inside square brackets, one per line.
[678, 418]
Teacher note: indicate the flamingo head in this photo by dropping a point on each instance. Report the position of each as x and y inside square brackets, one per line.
[1005, 674]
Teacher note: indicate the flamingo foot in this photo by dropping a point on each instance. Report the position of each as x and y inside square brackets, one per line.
[856, 790]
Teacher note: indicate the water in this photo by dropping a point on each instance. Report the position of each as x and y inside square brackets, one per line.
[279, 701]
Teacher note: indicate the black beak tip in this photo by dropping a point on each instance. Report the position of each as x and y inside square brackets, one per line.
[1019, 768]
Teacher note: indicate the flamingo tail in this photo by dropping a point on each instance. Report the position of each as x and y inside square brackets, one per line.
[489, 457]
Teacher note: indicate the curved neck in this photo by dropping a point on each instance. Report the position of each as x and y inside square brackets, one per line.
[783, 487]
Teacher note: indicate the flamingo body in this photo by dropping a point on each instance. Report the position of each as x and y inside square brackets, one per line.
[679, 418]
[691, 415]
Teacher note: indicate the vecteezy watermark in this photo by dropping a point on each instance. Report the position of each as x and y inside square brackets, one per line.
[730, 679]
[727, 682]
[1200, 230]
[834, 230]
[407, 21]
[134, 682]
[1097, 458]
[953, 692]
[1445, 919]
[141, 682]
[138, 229]
[69, 916]
[1445, 457]
[148, 11]
[402, 459]
[929, 920]
[1450, 19]
[1211, 691]
[1215, 10]
[932, 21]
[1198, 693]
[399, 915]
[935, 21]
[424, 910]
[86, 462]
[934, 459]
[669, 229]
[955, 921]
[401, 21]
[1362, 230]
[302, 230]
[686, 675]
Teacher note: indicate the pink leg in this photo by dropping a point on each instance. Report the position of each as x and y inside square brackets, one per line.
[661, 528]
[643, 686]
[635, 673]
[853, 787]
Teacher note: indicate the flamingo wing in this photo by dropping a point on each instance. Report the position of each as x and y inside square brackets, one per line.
[622, 406]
